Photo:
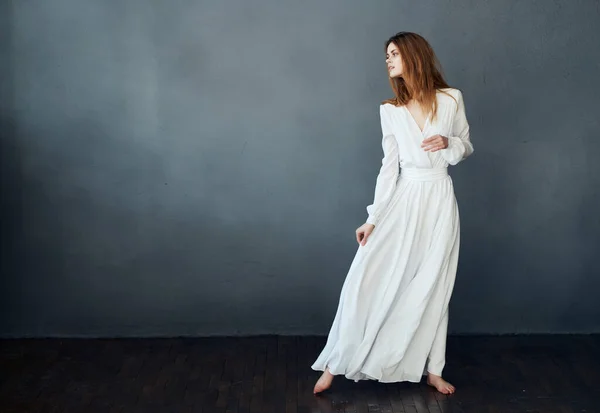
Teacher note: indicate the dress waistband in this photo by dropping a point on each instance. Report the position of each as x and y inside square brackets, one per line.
[424, 174]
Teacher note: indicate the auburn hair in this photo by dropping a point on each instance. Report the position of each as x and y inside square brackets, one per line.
[421, 73]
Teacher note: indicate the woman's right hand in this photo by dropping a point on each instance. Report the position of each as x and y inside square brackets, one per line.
[362, 233]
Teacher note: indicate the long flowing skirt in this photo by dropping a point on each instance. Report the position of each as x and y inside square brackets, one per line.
[392, 317]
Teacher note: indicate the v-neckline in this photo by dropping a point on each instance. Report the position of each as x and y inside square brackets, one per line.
[415, 121]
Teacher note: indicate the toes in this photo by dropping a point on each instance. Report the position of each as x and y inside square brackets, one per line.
[321, 386]
[441, 385]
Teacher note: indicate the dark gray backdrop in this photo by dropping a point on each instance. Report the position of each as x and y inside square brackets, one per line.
[199, 167]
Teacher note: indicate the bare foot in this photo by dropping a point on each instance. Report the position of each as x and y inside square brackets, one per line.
[324, 382]
[440, 384]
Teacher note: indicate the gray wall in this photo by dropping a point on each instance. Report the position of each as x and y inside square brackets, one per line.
[199, 168]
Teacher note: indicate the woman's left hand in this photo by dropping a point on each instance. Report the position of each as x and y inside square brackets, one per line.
[435, 143]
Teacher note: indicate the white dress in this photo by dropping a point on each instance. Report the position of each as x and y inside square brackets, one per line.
[392, 317]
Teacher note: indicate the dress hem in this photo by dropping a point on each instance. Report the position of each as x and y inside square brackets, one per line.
[365, 376]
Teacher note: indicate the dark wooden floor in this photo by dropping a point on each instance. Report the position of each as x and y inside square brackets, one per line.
[272, 375]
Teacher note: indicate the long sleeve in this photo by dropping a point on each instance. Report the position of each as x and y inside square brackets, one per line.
[459, 143]
[388, 173]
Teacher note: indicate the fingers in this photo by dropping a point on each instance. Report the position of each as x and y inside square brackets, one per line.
[366, 236]
[433, 143]
[364, 240]
[433, 147]
[363, 233]
[430, 143]
[359, 236]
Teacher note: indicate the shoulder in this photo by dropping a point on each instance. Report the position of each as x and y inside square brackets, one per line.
[450, 96]
[450, 92]
[385, 108]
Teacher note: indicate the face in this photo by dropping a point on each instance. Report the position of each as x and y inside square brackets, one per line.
[393, 61]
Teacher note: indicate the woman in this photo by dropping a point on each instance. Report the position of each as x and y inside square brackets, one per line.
[392, 318]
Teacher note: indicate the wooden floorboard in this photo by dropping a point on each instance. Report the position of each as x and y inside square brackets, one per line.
[271, 374]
